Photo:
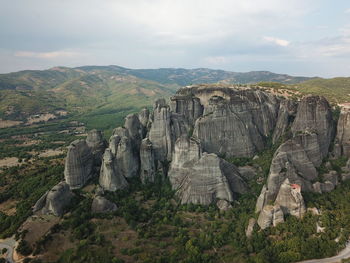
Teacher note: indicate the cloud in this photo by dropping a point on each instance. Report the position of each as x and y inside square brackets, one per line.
[347, 11]
[277, 41]
[47, 55]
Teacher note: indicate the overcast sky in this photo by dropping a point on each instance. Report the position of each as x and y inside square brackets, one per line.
[298, 37]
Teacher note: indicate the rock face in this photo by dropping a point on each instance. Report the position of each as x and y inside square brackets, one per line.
[144, 116]
[314, 116]
[342, 142]
[293, 166]
[236, 122]
[160, 132]
[110, 177]
[202, 178]
[290, 161]
[187, 105]
[54, 201]
[286, 114]
[148, 169]
[290, 199]
[128, 160]
[102, 205]
[97, 145]
[270, 216]
[250, 227]
[166, 127]
[79, 164]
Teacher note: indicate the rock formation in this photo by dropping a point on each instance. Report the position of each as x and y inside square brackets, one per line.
[236, 122]
[342, 142]
[202, 178]
[54, 201]
[290, 200]
[270, 216]
[101, 205]
[286, 115]
[160, 132]
[148, 169]
[97, 145]
[144, 116]
[110, 177]
[314, 116]
[187, 105]
[79, 164]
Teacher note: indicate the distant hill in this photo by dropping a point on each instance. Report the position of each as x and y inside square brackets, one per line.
[100, 94]
[183, 77]
[106, 88]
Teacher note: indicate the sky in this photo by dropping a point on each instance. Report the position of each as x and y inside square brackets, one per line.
[297, 37]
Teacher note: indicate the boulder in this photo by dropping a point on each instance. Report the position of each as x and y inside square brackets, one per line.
[79, 164]
[54, 201]
[102, 205]
[110, 177]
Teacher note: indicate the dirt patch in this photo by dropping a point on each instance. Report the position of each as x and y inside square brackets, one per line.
[38, 226]
[9, 162]
[55, 248]
[41, 117]
[8, 123]
[8, 207]
[50, 152]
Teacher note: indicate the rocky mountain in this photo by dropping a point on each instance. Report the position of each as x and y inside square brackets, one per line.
[191, 140]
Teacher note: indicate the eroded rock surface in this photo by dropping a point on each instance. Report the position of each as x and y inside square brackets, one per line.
[202, 178]
[148, 168]
[54, 201]
[110, 177]
[102, 205]
[79, 164]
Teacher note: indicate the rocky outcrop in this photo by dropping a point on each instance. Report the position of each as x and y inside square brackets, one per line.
[54, 201]
[290, 200]
[250, 227]
[236, 123]
[166, 127]
[128, 161]
[187, 105]
[97, 145]
[144, 116]
[342, 142]
[135, 130]
[101, 205]
[202, 178]
[79, 164]
[148, 169]
[270, 216]
[290, 161]
[286, 115]
[110, 177]
[160, 132]
[314, 116]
